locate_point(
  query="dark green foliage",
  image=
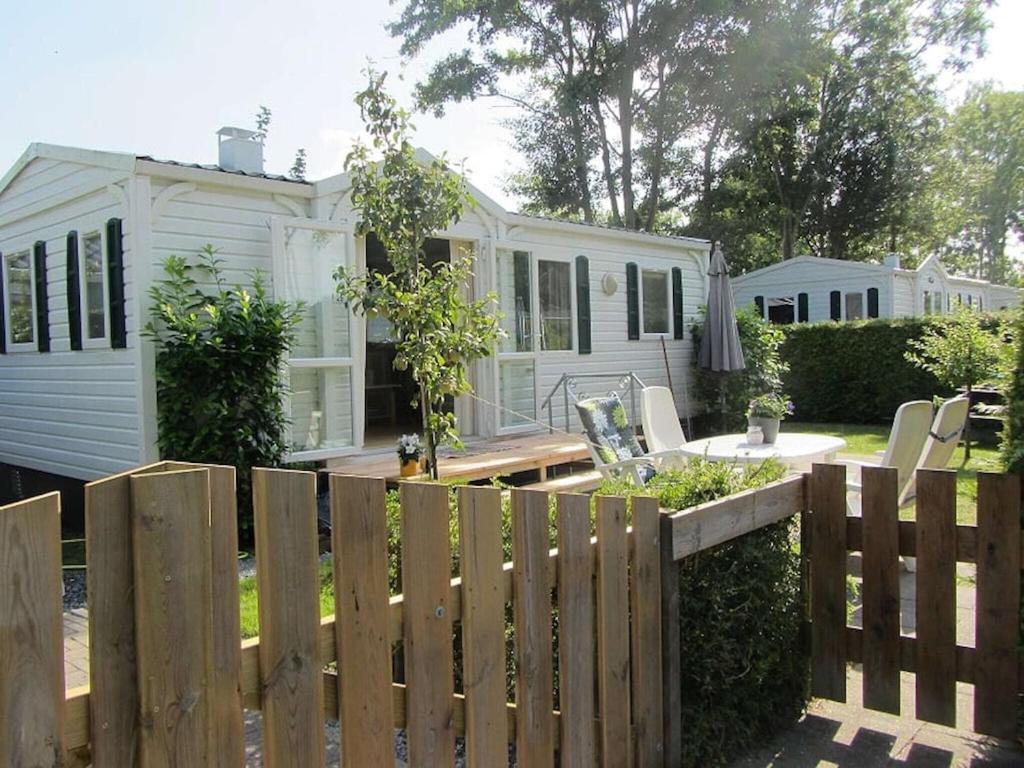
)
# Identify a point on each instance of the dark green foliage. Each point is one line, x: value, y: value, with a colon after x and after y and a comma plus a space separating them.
x: 765, y: 370
x: 218, y: 361
x: 1013, y: 427
x: 744, y: 670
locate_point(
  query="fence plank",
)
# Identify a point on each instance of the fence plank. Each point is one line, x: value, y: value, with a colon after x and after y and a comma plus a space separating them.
x: 31, y: 634
x: 426, y: 578
x: 535, y: 740
x: 671, y: 651
x: 613, y: 631
x: 645, y: 616
x: 936, y: 596
x: 881, y: 593
x: 575, y: 631
x: 483, y: 626
x: 828, y: 581
x: 359, y: 542
x: 288, y: 579
x: 173, y: 611
x: 110, y: 590
x: 997, y: 612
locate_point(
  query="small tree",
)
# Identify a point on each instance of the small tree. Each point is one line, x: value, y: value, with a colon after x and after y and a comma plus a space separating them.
x: 218, y: 360
x: 404, y: 202
x: 960, y: 353
x: 1013, y: 396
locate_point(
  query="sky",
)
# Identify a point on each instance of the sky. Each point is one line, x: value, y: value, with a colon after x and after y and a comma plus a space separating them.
x: 159, y: 78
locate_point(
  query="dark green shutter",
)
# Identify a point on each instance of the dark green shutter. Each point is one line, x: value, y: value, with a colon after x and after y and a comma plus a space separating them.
x: 759, y: 302
x: 834, y: 308
x: 115, y: 279
x: 74, y: 292
x: 3, y: 324
x: 632, y: 301
x: 42, y: 297
x: 583, y: 305
x: 801, y: 308
x: 677, y: 303
x: 872, y: 302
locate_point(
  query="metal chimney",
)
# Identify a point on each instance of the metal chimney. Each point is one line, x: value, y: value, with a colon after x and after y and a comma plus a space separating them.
x: 239, y: 149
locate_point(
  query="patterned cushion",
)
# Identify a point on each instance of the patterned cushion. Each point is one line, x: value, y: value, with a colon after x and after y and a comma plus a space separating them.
x: 607, y: 427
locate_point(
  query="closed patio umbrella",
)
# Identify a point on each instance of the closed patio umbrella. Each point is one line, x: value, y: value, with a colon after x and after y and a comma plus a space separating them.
x: 720, y: 349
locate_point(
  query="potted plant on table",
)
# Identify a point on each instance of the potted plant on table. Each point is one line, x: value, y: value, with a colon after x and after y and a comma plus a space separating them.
x: 409, y: 451
x: 767, y: 412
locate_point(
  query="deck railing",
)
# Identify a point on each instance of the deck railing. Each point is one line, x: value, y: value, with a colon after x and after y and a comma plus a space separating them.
x: 570, y: 386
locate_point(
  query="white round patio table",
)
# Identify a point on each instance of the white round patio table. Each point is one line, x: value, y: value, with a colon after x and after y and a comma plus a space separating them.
x: 797, y: 450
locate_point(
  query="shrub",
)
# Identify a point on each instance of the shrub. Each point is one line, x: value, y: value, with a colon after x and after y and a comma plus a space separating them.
x: 765, y: 368
x: 744, y: 669
x: 218, y: 361
x: 857, y: 372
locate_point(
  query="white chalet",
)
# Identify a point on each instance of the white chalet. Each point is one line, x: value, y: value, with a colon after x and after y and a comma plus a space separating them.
x: 83, y: 235
x: 813, y: 289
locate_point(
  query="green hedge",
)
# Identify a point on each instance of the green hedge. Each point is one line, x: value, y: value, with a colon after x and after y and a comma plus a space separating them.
x: 854, y: 373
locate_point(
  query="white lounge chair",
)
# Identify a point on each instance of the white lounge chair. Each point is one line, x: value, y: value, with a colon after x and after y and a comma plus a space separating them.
x: 903, y: 450
x: 613, y: 445
x: 662, y: 429
x: 941, y: 443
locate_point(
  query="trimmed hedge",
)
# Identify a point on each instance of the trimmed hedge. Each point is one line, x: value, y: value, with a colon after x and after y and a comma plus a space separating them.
x: 854, y: 373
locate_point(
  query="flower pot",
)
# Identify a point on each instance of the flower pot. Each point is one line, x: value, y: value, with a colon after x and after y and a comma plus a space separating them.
x: 410, y: 467
x: 770, y: 427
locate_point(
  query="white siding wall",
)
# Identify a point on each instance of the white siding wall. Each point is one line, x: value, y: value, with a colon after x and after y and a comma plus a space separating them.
x: 903, y: 296
x: 68, y: 413
x: 612, y: 351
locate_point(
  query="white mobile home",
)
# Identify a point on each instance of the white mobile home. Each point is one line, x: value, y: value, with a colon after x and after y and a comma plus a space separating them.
x: 813, y: 289
x: 83, y: 235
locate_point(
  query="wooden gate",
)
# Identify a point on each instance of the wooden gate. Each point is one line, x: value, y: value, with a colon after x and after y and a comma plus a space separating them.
x: 170, y: 677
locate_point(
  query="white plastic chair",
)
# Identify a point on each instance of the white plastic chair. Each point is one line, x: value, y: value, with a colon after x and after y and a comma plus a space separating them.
x: 941, y: 443
x: 903, y: 450
x: 662, y: 429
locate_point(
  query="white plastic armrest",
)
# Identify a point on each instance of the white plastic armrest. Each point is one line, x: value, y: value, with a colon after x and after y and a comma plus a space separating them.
x: 857, y: 463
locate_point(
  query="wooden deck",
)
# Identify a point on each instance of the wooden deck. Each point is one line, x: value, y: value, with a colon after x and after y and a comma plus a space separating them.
x: 481, y: 460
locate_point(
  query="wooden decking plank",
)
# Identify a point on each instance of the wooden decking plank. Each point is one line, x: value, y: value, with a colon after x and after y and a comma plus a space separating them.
x: 576, y: 631
x: 287, y: 549
x: 936, y: 596
x: 483, y: 626
x: 881, y: 590
x: 535, y: 734
x: 427, y: 624
x: 613, y: 632
x: 31, y: 634
x: 997, y: 613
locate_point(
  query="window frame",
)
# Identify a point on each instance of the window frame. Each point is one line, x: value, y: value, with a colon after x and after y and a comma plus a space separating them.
x: 667, y: 272
x: 12, y: 345
x: 863, y: 305
x: 99, y: 342
x: 538, y: 346
x: 792, y: 302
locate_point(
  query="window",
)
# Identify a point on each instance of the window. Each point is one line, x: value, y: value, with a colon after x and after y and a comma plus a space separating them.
x: 94, y: 306
x: 554, y: 286
x: 928, y: 302
x: 20, y: 302
x: 854, y: 306
x: 780, y: 310
x: 655, y: 294
x: 514, y: 301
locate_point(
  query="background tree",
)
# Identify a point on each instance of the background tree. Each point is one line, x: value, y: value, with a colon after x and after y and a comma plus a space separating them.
x: 404, y: 201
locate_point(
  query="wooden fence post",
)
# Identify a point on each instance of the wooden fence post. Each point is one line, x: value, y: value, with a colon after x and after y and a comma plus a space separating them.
x: 31, y: 634
x: 359, y: 540
x: 997, y: 613
x: 936, y: 596
x: 288, y: 578
x: 613, y: 631
x: 828, y: 581
x: 173, y: 613
x: 645, y: 620
x: 671, y: 650
x: 427, y: 624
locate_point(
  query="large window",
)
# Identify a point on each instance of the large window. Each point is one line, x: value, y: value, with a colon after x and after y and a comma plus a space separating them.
x: 782, y: 310
x: 20, y: 306
x: 515, y: 300
x: 655, y: 294
x: 554, y: 287
x: 854, y: 306
x: 94, y: 307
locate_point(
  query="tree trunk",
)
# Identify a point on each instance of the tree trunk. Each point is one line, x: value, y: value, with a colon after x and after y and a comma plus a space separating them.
x: 654, y: 193
x: 580, y: 168
x: 707, y: 176
x: 626, y: 136
x: 606, y: 161
x: 790, y: 230
x: 428, y: 433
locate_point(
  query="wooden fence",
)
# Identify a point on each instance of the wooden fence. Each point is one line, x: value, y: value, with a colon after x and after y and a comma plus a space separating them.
x: 169, y: 677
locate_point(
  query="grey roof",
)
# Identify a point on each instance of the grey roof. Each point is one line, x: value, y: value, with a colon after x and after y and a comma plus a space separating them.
x: 202, y: 167
x: 614, y: 228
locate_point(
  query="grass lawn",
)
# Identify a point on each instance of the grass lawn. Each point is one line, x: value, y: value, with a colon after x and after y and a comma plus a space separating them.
x: 865, y: 440
x: 249, y: 600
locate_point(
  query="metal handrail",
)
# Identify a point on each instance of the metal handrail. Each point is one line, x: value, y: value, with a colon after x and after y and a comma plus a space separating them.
x: 569, y: 382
